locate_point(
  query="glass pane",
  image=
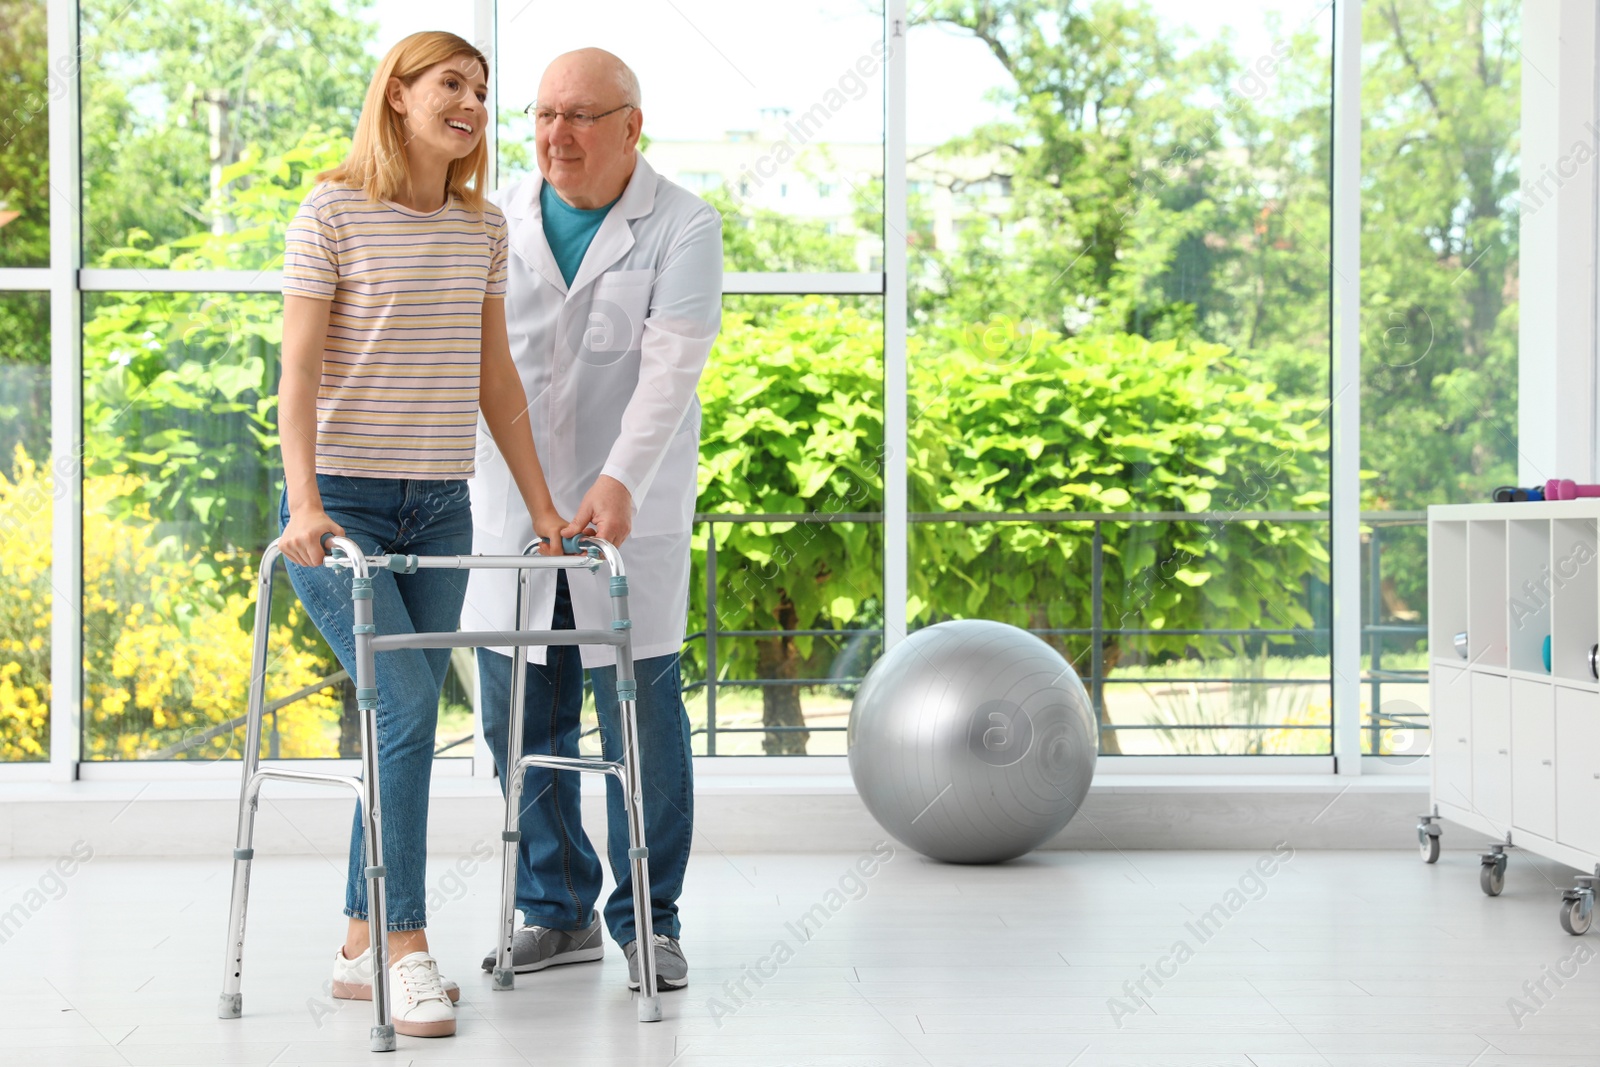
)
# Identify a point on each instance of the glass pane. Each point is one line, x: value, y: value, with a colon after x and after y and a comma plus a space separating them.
x: 196, y: 155
x: 792, y: 426
x: 1441, y: 98
x: 786, y: 141
x: 24, y: 135
x: 181, y: 486
x: 26, y: 497
x: 1125, y: 310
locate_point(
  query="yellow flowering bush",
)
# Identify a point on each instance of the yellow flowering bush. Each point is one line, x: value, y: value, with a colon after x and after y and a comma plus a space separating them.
x: 24, y: 612
x: 166, y: 654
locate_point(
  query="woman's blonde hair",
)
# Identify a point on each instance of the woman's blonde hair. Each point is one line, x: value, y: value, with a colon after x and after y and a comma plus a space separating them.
x: 377, y: 161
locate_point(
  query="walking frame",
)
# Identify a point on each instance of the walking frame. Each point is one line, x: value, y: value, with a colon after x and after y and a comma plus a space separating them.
x: 345, y: 553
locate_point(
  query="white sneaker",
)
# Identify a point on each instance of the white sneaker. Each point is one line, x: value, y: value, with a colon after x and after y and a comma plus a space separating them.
x: 352, y: 979
x: 420, y: 1008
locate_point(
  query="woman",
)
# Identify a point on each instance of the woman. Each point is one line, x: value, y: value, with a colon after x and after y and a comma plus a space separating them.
x: 394, y: 339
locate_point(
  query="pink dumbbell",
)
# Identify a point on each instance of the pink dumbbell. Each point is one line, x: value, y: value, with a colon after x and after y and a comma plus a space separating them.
x: 1567, y: 489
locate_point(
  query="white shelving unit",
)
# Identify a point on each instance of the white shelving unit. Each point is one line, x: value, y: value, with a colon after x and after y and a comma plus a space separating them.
x: 1516, y: 746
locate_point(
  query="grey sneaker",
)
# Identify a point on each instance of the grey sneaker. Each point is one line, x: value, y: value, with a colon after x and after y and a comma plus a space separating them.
x: 672, y: 970
x: 536, y: 947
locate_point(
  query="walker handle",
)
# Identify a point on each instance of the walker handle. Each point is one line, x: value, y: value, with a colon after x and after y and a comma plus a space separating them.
x: 569, y: 545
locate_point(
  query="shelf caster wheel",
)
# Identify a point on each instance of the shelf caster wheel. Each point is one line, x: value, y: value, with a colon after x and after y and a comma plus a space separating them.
x: 1576, y: 916
x: 1428, y: 838
x: 1428, y: 842
x: 1577, y: 907
x: 1492, y: 875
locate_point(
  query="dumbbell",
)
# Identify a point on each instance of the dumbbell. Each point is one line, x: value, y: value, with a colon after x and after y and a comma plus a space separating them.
x: 1514, y: 494
x: 1567, y: 489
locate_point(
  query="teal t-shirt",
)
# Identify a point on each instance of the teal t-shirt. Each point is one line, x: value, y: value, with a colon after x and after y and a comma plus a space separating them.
x: 570, y: 230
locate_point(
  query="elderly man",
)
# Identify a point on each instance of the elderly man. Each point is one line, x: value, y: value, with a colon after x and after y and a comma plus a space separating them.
x: 614, y: 301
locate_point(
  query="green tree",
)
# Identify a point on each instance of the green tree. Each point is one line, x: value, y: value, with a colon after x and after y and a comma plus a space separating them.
x: 1441, y: 96
x: 1161, y: 257
x: 175, y: 92
x: 24, y: 229
x: 180, y: 389
x: 792, y: 423
x: 1107, y: 424
x: 24, y: 136
x: 1135, y: 167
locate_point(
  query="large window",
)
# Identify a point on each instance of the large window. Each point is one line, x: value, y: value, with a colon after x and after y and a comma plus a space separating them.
x: 1116, y: 344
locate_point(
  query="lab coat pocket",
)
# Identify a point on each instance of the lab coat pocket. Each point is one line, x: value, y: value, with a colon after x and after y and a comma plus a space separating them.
x: 668, y: 505
x: 614, y: 325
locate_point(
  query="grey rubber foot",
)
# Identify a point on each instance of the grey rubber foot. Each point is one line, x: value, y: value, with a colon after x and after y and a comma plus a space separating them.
x: 650, y: 1009
x: 382, y: 1038
x: 504, y: 978
x: 230, y: 1005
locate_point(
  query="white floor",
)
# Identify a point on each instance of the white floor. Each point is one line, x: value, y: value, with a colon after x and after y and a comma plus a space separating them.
x: 1338, y: 958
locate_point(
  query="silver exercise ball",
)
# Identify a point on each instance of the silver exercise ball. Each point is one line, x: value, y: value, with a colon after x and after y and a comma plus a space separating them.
x: 972, y: 741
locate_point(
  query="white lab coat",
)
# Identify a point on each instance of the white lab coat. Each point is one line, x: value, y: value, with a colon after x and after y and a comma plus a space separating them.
x: 610, y: 369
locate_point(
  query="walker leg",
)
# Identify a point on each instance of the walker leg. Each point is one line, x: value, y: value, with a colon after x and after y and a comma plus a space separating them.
x: 633, y: 797
x: 382, y: 1033
x: 505, y: 975
x: 230, y: 1003
x: 639, y: 862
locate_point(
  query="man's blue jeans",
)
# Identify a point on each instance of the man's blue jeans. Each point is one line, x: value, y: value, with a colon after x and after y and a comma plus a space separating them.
x: 558, y: 873
x: 422, y: 518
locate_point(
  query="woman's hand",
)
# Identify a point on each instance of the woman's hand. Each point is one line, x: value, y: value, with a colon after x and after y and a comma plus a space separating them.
x: 548, y: 525
x: 302, y: 538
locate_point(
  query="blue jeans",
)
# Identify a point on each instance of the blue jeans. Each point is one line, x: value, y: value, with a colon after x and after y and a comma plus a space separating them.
x: 558, y: 873
x: 424, y: 518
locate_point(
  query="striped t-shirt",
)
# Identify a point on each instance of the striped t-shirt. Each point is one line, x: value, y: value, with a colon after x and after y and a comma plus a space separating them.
x: 399, y: 391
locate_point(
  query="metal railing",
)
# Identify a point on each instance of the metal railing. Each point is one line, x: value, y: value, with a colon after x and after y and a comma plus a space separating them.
x: 1374, y: 631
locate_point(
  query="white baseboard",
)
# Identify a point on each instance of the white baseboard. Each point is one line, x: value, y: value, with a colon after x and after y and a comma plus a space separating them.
x: 736, y: 810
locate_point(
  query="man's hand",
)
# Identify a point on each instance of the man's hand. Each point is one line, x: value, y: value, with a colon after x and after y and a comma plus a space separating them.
x: 606, y: 511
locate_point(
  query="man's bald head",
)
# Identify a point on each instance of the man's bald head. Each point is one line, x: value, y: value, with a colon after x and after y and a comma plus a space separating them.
x: 597, y: 68
x: 589, y: 166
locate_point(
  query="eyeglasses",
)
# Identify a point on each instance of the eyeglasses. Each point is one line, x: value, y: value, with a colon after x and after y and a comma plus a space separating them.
x: 544, y: 116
